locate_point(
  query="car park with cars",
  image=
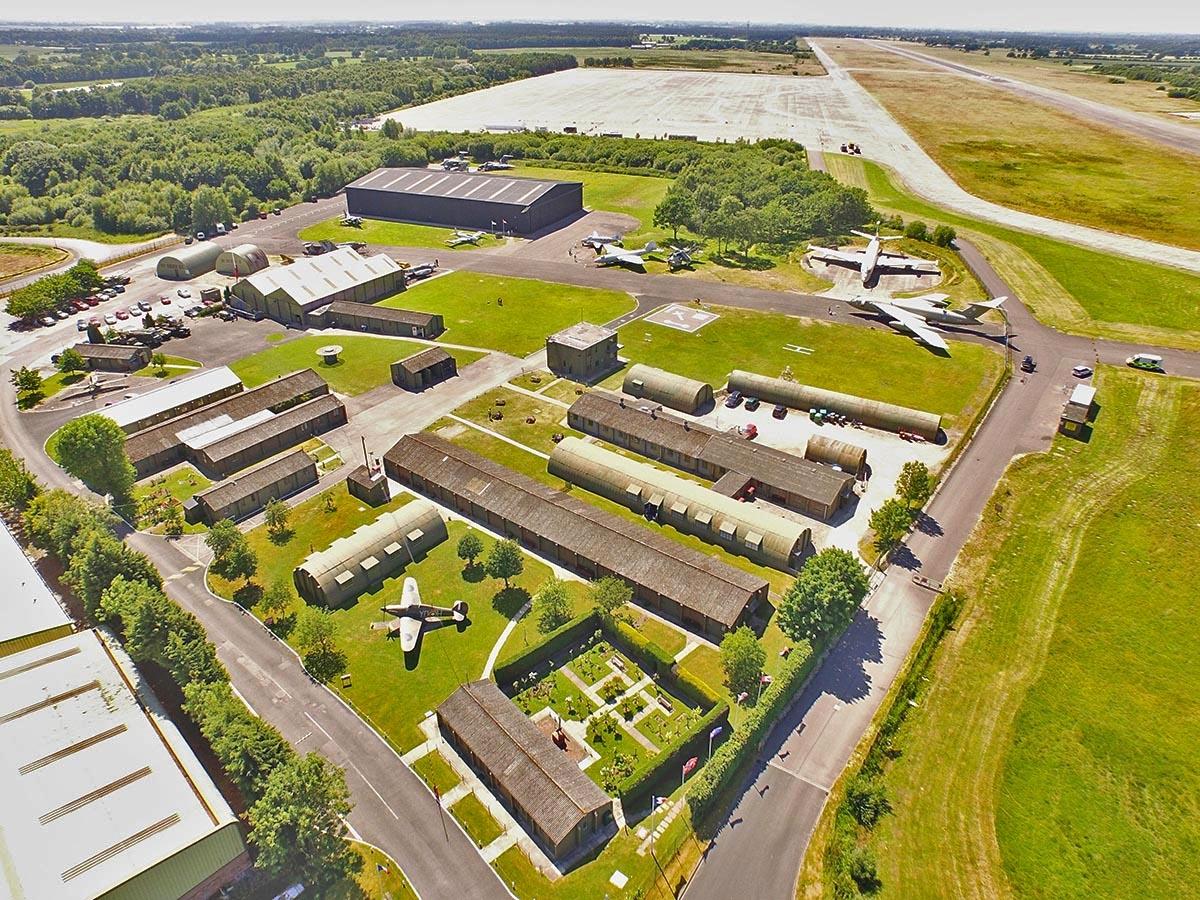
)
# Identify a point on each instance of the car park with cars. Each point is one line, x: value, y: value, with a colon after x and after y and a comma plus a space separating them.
x: 734, y: 399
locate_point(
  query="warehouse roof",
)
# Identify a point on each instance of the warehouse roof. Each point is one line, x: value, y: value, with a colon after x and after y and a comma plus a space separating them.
x: 505, y: 189
x: 264, y: 430
x: 382, y: 313
x: 695, y: 580
x: 310, y: 281
x: 234, y: 489
x: 424, y: 359
x: 29, y: 606
x: 279, y: 392
x: 582, y: 335
x: 541, y: 779
x: 98, y: 785
x: 108, y: 351
x: 766, y: 465
x: 177, y: 393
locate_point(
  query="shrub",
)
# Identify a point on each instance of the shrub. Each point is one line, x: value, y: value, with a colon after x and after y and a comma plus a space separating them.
x: 519, y: 664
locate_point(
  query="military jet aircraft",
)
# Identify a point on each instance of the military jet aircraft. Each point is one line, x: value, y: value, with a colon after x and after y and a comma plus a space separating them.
x: 874, y: 260
x: 352, y: 221
x: 634, y: 258
x: 596, y: 241
x: 456, y: 164
x: 680, y: 258
x: 466, y: 237
x: 412, y: 615
x: 497, y: 165
x: 915, y: 315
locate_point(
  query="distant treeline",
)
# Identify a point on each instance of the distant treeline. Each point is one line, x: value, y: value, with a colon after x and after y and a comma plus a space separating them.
x: 1181, y: 81
x: 1040, y: 46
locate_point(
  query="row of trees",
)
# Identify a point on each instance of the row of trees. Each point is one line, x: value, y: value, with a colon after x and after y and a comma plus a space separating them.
x: 53, y: 292
x: 891, y: 521
x: 297, y: 805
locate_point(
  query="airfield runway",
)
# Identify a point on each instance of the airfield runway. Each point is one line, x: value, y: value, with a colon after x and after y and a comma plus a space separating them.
x: 821, y: 112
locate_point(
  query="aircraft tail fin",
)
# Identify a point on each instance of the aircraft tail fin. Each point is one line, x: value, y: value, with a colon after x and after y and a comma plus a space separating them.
x: 652, y: 246
x: 975, y: 310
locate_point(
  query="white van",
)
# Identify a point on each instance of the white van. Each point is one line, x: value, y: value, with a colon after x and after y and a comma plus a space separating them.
x: 220, y: 228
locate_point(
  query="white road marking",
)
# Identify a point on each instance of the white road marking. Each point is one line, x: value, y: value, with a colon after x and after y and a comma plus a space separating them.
x: 358, y: 771
x: 318, y: 724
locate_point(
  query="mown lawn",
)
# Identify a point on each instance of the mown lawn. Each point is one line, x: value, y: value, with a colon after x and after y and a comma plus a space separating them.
x: 51, y: 385
x: 632, y: 195
x: 880, y: 365
x: 557, y: 692
x: 365, y: 362
x: 389, y: 234
x: 514, y: 315
x: 372, y: 884
x: 515, y: 410
x: 1054, y: 753
x: 478, y: 823
x: 1071, y: 288
x: 436, y: 772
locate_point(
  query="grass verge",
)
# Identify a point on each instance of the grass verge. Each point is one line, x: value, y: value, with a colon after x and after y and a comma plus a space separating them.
x: 478, y: 823
x: 389, y: 234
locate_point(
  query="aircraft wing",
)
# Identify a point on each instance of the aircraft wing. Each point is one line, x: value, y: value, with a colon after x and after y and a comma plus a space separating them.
x: 622, y: 256
x: 911, y: 263
x: 828, y: 255
x: 410, y: 630
x: 915, y: 324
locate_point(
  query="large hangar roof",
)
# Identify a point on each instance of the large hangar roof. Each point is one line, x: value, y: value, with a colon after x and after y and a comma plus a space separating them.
x: 506, y: 189
x: 29, y: 605
x: 310, y: 281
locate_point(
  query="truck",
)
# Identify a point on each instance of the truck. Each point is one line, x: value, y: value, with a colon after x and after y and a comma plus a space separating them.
x: 211, y: 294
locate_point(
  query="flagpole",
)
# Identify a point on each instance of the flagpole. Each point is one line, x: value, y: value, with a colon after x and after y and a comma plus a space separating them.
x: 710, y: 737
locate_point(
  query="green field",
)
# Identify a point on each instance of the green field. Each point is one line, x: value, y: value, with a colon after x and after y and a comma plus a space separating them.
x: 179, y: 485
x: 392, y: 695
x: 1053, y: 754
x: 389, y: 234
x: 746, y: 61
x: 1026, y: 155
x: 549, y: 418
x: 531, y: 310
x: 51, y: 385
x: 436, y: 772
x: 880, y: 365
x: 632, y: 195
x: 1070, y: 288
x: 365, y: 362
x: 477, y: 822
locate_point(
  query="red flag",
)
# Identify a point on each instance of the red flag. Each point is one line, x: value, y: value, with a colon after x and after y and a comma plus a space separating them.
x: 690, y: 764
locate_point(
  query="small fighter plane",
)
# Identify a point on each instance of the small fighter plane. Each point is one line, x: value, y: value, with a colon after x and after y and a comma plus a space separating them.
x: 874, y: 260
x: 466, y: 237
x: 352, y: 221
x: 456, y: 164
x: 634, y: 258
x: 497, y: 165
x: 596, y: 241
x: 412, y: 615
x: 680, y: 258
x: 916, y: 315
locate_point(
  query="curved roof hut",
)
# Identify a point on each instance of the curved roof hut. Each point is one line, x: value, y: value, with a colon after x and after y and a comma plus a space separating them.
x: 684, y: 394
x: 846, y: 456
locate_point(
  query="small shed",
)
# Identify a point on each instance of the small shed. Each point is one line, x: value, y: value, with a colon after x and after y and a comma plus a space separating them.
x: 186, y: 263
x: 684, y: 394
x: 845, y: 456
x: 582, y: 352
x: 114, y: 357
x: 242, y: 260
x: 423, y: 369
x: 1079, y: 411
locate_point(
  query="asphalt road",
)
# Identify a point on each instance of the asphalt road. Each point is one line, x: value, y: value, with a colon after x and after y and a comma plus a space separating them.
x: 1163, y: 131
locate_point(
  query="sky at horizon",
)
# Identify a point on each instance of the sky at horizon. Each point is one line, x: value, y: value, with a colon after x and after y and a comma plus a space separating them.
x: 1155, y: 16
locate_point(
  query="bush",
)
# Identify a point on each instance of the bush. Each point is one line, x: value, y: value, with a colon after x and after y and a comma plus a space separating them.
x: 633, y: 642
x: 867, y: 801
x: 519, y: 664
x: 864, y: 871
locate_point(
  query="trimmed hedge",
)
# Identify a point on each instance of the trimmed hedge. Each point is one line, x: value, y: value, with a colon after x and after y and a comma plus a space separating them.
x: 633, y: 641
x: 727, y: 760
x: 517, y: 665
x: 693, y: 742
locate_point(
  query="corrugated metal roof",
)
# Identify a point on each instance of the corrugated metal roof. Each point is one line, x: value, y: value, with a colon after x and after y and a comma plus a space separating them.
x: 310, y: 281
x: 29, y: 606
x: 507, y: 189
x: 171, y: 396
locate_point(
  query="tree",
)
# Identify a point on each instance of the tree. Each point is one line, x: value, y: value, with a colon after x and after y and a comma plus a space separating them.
x: 298, y: 824
x: 314, y: 631
x: 27, y: 380
x: 71, y: 360
x: 276, y: 599
x: 17, y: 486
x: 469, y: 545
x: 915, y: 485
x: 159, y: 361
x: 944, y: 235
x: 742, y: 658
x: 890, y: 523
x: 552, y: 605
x: 867, y: 800
x: 275, y: 514
x: 209, y: 206
x: 677, y: 210
x: 917, y: 230
x: 824, y: 596
x: 505, y: 561
x: 390, y: 129
x: 92, y: 448
x: 98, y: 561
x: 232, y: 556
x: 248, y: 748
x: 60, y: 522
x: 609, y: 594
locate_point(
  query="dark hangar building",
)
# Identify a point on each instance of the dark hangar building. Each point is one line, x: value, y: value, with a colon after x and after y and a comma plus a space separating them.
x: 464, y: 199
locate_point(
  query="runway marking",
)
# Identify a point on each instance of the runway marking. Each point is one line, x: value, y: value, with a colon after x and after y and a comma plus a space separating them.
x: 358, y: 771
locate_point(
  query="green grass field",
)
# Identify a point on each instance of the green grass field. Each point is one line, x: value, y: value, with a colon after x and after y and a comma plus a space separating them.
x: 372, y: 884
x: 51, y: 385
x: 531, y: 310
x: 389, y: 234
x: 1031, y: 156
x: 877, y: 364
x: 436, y: 772
x: 365, y: 362
x: 549, y: 418
x: 394, y: 693
x: 478, y: 823
x: 1073, y: 289
x: 746, y: 61
x: 1053, y: 754
x: 632, y: 195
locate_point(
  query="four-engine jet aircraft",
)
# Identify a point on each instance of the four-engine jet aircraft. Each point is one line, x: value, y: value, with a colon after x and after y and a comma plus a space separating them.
x: 413, y: 615
x: 634, y: 258
x: 466, y: 237
x: 915, y: 315
x: 874, y: 260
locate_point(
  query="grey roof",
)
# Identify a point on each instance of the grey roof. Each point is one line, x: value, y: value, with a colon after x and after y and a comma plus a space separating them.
x: 203, y: 253
x: 264, y: 431
x: 272, y: 395
x: 382, y: 313
x: 541, y: 779
x: 311, y: 280
x: 172, y: 395
x: 582, y: 335
x: 674, y: 390
x: 505, y: 189
x: 29, y: 605
x: 232, y: 490
x: 424, y: 359
x: 766, y: 465
x: 109, y: 351
x: 641, y: 556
